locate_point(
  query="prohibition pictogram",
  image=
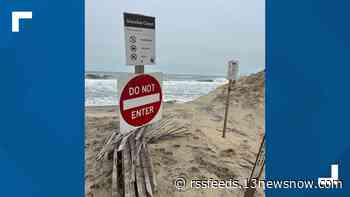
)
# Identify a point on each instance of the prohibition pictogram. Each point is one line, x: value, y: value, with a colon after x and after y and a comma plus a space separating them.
x: 133, y: 57
x: 133, y: 48
x: 132, y: 39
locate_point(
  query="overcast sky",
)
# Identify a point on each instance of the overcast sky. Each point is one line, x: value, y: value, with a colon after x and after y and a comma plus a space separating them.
x: 192, y: 36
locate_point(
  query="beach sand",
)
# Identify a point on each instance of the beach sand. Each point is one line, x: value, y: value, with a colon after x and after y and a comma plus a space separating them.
x: 203, y: 154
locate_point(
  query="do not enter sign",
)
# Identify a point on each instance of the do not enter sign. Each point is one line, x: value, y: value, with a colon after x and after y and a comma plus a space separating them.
x: 140, y: 100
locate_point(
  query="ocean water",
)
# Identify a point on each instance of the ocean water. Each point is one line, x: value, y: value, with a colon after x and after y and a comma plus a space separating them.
x: 179, y: 88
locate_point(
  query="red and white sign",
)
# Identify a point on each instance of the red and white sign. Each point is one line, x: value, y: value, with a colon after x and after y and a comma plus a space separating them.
x: 140, y: 102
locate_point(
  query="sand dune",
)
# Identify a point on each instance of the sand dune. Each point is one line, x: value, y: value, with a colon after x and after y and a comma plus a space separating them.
x: 203, y: 154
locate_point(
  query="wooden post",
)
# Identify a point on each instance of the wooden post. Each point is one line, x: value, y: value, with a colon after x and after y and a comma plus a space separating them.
x: 227, y: 106
x: 257, y: 158
x: 140, y: 177
x: 250, y: 191
x: 115, y: 185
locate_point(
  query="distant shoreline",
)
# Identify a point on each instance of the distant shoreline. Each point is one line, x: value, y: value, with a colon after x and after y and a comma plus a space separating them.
x: 112, y: 75
x: 167, y: 77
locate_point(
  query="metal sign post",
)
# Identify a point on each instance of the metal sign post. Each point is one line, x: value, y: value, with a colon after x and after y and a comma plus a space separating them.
x: 232, y: 77
x: 139, y: 69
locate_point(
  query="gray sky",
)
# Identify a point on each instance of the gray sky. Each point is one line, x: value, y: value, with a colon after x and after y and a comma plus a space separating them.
x: 192, y: 36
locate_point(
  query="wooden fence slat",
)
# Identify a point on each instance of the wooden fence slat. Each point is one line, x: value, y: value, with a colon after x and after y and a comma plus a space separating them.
x: 123, y: 143
x: 140, y: 133
x: 133, y: 158
x: 133, y: 174
x: 115, y: 184
x: 106, y: 145
x: 140, y: 180
x: 129, y: 189
x: 145, y: 168
x: 124, y: 140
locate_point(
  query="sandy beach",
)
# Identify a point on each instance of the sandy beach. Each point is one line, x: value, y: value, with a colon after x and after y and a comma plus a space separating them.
x: 202, y: 154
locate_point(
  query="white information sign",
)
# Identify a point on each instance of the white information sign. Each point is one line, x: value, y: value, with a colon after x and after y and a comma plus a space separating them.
x: 139, y: 39
x: 232, y: 70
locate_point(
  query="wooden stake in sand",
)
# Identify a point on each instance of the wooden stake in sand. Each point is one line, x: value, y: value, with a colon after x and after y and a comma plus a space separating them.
x: 227, y: 106
x: 232, y: 77
x: 259, y: 161
x: 256, y: 171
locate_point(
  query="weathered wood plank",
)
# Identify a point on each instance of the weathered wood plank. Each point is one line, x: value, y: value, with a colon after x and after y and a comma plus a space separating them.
x: 124, y: 140
x: 132, y: 173
x: 140, y: 133
x: 133, y: 157
x: 140, y: 179
x: 123, y: 143
x: 106, y: 145
x: 129, y: 189
x: 146, y: 175
x: 115, y: 184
